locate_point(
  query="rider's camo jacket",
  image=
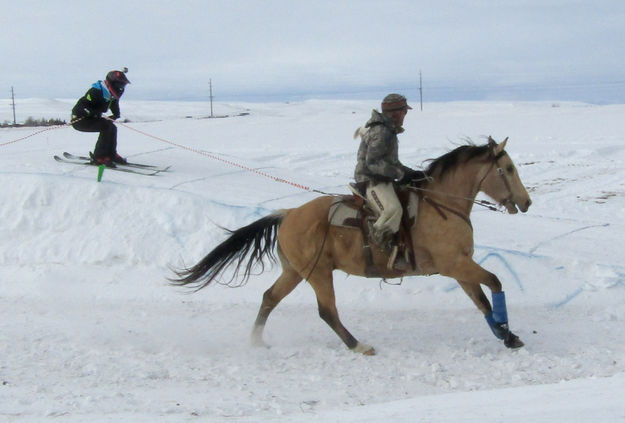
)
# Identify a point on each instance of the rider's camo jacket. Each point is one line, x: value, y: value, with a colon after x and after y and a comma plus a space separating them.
x: 378, y: 159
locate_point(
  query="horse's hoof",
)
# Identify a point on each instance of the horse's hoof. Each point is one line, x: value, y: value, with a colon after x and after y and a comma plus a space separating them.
x: 370, y: 351
x: 364, y: 349
x: 259, y: 344
x: 257, y: 340
x: 512, y: 341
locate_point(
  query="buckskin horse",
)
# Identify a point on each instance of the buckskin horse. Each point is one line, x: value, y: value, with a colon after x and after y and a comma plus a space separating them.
x: 310, y: 248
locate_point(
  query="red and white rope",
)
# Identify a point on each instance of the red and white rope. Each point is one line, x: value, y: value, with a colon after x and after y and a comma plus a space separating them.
x: 184, y: 147
x: 221, y: 159
x: 51, y: 128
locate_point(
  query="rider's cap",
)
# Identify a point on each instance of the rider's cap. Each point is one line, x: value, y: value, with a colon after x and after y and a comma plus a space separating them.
x: 393, y: 102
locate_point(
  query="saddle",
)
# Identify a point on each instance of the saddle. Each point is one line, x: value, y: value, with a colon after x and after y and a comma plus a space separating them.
x: 352, y: 211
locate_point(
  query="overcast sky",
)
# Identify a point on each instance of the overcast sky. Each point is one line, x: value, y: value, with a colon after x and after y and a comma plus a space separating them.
x: 291, y: 49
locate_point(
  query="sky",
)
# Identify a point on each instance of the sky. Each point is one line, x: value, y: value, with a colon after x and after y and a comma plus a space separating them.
x: 276, y: 50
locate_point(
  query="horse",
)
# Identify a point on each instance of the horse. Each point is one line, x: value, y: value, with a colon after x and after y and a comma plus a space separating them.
x: 309, y: 247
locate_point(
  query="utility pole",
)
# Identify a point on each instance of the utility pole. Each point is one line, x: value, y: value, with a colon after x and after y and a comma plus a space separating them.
x: 420, y: 90
x: 13, y: 105
x: 210, y: 85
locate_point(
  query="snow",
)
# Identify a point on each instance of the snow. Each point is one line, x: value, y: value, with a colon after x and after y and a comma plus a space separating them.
x: 90, y: 330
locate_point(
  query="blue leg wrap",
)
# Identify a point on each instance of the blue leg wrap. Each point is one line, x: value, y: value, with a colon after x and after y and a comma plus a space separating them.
x: 498, y: 318
x: 500, y: 311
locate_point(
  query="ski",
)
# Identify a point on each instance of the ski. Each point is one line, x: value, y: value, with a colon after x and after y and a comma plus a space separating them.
x: 129, y: 164
x: 136, y: 171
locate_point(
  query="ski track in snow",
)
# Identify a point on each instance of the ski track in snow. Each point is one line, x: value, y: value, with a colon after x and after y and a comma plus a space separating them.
x: 91, y: 331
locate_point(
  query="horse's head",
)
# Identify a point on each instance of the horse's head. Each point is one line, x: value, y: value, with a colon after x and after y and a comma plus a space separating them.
x: 501, y: 181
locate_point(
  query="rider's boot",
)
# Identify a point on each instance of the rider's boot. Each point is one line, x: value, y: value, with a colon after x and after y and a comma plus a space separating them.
x: 388, y: 243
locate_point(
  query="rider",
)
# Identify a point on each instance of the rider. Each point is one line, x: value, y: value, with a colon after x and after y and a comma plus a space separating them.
x: 379, y: 167
x: 87, y: 116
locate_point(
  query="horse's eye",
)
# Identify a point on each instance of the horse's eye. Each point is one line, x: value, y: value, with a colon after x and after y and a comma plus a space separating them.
x: 510, y: 169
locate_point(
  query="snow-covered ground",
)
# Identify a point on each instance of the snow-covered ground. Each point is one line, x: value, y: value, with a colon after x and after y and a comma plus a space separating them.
x: 91, y: 331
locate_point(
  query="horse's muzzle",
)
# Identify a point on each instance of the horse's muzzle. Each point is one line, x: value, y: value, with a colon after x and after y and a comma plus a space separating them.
x: 525, y: 206
x: 511, y: 206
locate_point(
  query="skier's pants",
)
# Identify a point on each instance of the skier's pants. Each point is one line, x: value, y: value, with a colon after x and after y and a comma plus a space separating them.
x: 107, y: 140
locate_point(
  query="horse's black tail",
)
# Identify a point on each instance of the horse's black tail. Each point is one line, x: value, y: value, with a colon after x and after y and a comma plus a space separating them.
x: 258, y: 239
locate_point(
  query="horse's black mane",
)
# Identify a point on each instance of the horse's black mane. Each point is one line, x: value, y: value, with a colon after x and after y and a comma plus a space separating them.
x: 459, y: 155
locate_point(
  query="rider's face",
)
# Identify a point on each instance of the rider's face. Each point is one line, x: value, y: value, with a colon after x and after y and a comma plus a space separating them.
x: 398, y: 116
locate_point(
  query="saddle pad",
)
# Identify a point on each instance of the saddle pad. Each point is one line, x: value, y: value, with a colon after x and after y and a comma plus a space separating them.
x: 345, y: 211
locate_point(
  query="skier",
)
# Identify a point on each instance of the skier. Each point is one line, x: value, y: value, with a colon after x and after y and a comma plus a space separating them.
x: 87, y: 116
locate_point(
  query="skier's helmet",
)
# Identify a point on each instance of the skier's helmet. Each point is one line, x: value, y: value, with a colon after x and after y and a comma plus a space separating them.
x: 117, y: 81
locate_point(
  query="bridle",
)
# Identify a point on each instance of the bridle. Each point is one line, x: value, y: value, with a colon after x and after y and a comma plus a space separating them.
x: 439, y: 207
x: 501, y: 173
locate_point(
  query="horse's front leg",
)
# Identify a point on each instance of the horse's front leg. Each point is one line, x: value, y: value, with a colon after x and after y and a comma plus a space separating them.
x: 470, y: 275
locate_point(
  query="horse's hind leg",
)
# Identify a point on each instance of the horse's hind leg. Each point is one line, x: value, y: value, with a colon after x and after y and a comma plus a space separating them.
x: 324, y: 289
x: 282, y: 287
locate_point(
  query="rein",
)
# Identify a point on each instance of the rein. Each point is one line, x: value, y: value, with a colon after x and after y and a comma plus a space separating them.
x: 438, y: 206
x: 484, y: 203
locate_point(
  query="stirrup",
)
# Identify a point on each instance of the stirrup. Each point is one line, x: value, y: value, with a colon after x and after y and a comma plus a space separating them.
x: 397, y: 262
x: 391, y: 258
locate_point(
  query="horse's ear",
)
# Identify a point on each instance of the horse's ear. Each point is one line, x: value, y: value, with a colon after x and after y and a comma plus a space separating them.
x: 503, y: 143
x: 491, y: 142
x: 500, y: 147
